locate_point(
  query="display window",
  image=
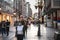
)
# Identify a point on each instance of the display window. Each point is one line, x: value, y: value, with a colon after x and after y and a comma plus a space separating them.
x: 8, y: 18
x: 4, y: 17
x: 0, y: 18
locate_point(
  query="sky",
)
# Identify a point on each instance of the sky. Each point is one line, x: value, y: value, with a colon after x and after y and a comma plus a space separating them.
x: 32, y: 5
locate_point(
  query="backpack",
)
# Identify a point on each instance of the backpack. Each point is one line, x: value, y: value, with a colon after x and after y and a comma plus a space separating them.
x: 20, y: 29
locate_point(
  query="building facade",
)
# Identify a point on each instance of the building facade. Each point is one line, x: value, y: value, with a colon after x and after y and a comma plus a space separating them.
x: 6, y: 10
x: 19, y: 6
x: 28, y: 10
x: 51, y: 9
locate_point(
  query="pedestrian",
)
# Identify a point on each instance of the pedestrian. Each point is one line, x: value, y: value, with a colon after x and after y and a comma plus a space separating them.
x: 26, y: 26
x: 19, y: 32
x: 22, y: 21
x: 16, y: 24
x: 29, y: 21
x: 3, y: 28
x: 7, y: 27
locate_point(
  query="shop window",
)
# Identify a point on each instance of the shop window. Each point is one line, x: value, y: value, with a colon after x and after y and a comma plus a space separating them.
x: 0, y: 18
x: 4, y: 17
x: 8, y: 18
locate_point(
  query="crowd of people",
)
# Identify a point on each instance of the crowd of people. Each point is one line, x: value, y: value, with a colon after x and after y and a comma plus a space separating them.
x: 4, y: 27
x: 21, y: 27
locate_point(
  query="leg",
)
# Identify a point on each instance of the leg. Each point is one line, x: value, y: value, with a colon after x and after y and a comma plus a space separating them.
x: 16, y: 32
x: 2, y: 31
x: 7, y: 31
x: 26, y: 32
x: 19, y: 37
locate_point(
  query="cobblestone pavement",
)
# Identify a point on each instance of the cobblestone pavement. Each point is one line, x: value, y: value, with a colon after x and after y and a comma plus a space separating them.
x: 46, y: 33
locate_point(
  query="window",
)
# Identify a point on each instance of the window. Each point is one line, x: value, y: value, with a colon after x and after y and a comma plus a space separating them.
x: 56, y: 2
x: 24, y: 0
x: 0, y: 18
x: 8, y: 17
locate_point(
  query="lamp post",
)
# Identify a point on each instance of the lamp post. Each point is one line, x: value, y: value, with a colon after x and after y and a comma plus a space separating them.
x: 39, y: 6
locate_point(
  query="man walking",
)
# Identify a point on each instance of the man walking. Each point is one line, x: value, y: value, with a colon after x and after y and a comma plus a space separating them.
x: 3, y: 28
x: 7, y: 27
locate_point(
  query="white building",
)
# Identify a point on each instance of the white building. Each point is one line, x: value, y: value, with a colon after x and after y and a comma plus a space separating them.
x: 7, y: 6
x: 23, y: 8
x: 20, y: 6
x: 28, y: 10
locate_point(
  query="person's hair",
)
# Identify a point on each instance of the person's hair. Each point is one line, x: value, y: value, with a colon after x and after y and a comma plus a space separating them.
x: 7, y: 20
x: 21, y: 16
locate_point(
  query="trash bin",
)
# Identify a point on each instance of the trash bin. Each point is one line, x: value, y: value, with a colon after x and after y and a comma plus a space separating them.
x: 57, y: 35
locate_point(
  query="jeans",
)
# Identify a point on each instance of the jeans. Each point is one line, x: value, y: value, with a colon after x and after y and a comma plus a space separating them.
x: 7, y: 30
x: 3, y: 31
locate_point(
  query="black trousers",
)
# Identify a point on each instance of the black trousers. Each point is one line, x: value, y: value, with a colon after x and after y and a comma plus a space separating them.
x: 3, y: 31
x: 7, y: 30
x: 19, y: 37
x: 26, y: 31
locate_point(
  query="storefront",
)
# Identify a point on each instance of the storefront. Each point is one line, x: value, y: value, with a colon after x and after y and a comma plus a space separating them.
x: 0, y: 17
x: 58, y: 19
x: 5, y: 16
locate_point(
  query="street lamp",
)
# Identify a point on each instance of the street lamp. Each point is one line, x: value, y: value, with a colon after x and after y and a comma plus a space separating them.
x: 39, y: 6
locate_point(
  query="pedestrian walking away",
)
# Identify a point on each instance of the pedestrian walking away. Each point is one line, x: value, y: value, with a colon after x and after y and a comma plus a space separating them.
x: 22, y: 21
x: 7, y: 27
x: 26, y: 26
x: 19, y: 32
x: 3, y: 28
